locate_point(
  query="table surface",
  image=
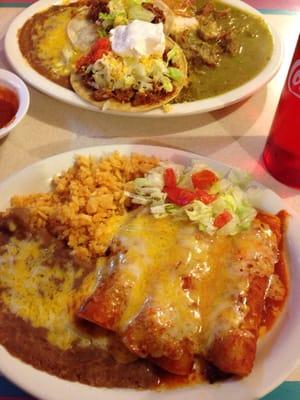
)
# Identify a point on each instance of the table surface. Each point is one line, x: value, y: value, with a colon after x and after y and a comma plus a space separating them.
x: 234, y: 135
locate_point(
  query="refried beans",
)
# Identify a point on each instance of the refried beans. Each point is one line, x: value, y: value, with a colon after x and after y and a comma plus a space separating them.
x: 41, y: 39
x: 84, y: 361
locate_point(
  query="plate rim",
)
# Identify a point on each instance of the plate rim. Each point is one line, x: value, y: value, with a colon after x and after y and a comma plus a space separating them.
x: 44, y: 85
x: 101, y: 150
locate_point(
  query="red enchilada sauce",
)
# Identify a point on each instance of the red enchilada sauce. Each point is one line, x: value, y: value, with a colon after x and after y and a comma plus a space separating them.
x: 96, y: 367
x: 9, y: 104
x: 272, y: 307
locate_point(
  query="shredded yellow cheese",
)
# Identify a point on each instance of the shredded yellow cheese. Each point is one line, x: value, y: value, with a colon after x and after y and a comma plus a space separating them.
x: 44, y: 295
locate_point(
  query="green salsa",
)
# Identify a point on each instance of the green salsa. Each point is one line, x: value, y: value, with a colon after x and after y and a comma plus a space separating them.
x: 249, y: 48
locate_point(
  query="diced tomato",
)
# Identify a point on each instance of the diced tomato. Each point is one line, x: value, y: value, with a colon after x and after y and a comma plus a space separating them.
x: 180, y: 196
x: 205, y: 197
x: 83, y: 60
x: 222, y: 219
x: 103, y: 43
x: 100, y: 47
x: 204, y: 179
x: 169, y: 178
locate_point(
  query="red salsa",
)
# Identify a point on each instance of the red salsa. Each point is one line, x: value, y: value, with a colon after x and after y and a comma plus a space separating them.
x: 272, y: 308
x: 9, y: 104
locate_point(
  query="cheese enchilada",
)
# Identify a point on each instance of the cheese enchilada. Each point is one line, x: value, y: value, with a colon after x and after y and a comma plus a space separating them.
x: 135, y: 272
x: 171, y: 292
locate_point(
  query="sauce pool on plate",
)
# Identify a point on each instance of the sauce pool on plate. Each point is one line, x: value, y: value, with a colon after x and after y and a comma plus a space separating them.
x: 9, y: 104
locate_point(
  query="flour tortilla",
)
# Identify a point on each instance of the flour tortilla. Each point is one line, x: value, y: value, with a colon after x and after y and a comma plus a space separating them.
x: 81, y: 32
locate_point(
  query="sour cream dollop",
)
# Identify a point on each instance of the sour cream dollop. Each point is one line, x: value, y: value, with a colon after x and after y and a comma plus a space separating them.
x: 137, y: 39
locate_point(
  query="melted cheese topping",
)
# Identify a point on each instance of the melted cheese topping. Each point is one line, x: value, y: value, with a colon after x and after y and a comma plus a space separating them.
x: 183, y: 285
x: 44, y: 295
x: 53, y: 47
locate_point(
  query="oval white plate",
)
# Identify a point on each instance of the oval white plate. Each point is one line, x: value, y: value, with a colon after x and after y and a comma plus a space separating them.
x: 41, y: 83
x: 278, y: 351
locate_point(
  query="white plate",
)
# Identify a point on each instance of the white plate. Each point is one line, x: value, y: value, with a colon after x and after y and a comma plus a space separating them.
x: 278, y: 351
x: 13, y: 82
x: 41, y: 83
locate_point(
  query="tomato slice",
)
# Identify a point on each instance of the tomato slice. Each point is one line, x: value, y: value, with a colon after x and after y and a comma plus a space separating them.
x: 204, y: 179
x: 205, y: 197
x: 179, y: 196
x: 222, y: 219
x: 169, y: 178
x: 100, y: 47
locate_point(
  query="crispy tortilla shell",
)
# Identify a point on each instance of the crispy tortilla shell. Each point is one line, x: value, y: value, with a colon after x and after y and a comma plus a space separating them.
x: 111, y: 104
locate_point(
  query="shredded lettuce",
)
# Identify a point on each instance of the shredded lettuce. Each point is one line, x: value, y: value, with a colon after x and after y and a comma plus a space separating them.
x: 101, y: 32
x: 175, y: 73
x: 239, y: 177
x: 113, y: 19
x: 122, y: 11
x: 215, y: 188
x: 202, y: 215
x: 174, y: 54
x: 107, y: 20
x: 230, y: 197
x: 167, y: 84
x: 107, y: 17
x: 139, y: 12
x: 131, y: 3
x: 120, y: 18
x: 186, y: 178
x: 114, y: 72
x: 117, y: 14
x: 116, y: 6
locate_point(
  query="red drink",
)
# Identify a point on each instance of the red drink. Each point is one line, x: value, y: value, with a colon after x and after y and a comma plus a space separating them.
x: 282, y: 152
